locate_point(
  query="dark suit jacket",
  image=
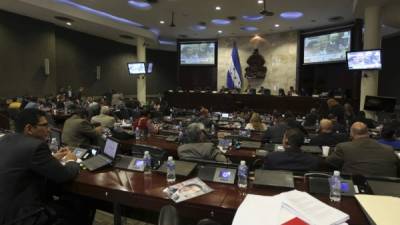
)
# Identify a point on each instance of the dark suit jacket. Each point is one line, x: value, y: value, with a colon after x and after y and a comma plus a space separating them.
x: 275, y: 133
x: 25, y: 165
x: 328, y: 139
x: 78, y: 131
x: 365, y: 156
x: 291, y: 159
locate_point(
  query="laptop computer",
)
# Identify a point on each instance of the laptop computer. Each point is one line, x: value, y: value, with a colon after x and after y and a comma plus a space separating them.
x: 250, y: 144
x: 129, y: 163
x: 56, y: 133
x: 182, y: 168
x: 274, y: 178
x: 103, y: 159
x: 388, y: 188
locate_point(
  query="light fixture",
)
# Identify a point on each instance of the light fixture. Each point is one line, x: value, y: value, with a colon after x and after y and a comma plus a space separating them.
x: 249, y: 28
x: 221, y: 21
x: 162, y: 21
x: 277, y: 25
x: 291, y: 15
x: 140, y: 4
x: 260, y: 1
x: 68, y: 23
x: 218, y: 8
x: 253, y: 17
x: 220, y: 32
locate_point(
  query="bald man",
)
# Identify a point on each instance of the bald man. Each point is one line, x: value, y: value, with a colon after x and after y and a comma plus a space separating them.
x: 363, y: 155
x: 326, y: 136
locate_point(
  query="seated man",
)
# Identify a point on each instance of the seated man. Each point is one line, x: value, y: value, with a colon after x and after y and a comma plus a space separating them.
x: 197, y: 145
x: 326, y: 136
x: 104, y: 118
x: 363, y: 155
x: 275, y: 133
x: 26, y: 166
x: 292, y: 158
x: 78, y: 131
x: 388, y: 136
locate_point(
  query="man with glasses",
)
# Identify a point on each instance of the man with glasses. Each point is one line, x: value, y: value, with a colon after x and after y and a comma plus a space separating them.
x: 26, y: 167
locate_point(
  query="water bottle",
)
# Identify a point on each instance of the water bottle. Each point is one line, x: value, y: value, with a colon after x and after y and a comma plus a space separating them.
x: 137, y: 133
x: 53, y: 145
x: 335, y: 187
x: 147, y: 162
x: 171, y: 170
x: 65, y: 110
x: 242, y: 175
x: 317, y: 126
x: 212, y: 130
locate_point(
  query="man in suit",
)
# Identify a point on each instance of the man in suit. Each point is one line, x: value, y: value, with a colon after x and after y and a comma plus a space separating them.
x: 326, y: 136
x: 292, y: 158
x: 26, y: 165
x: 275, y: 133
x: 363, y: 155
x: 78, y: 131
x: 104, y: 119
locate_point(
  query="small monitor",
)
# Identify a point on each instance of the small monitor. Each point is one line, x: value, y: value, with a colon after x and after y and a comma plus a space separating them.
x: 139, y: 164
x: 225, y: 174
x: 225, y: 115
x: 379, y: 104
x: 110, y: 149
x: 136, y: 68
x: 364, y: 60
x: 149, y: 67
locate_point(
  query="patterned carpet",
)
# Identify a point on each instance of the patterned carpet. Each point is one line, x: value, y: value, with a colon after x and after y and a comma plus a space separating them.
x: 105, y: 218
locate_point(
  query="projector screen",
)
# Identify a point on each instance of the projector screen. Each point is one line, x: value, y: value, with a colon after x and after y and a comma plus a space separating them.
x: 325, y: 48
x: 136, y: 68
x: 197, y: 53
x: 364, y: 60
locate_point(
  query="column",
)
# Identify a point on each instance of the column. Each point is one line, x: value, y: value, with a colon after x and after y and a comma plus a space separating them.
x: 141, y: 82
x: 372, y: 40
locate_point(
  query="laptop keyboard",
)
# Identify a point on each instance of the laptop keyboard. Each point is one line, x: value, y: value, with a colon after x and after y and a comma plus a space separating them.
x: 97, y: 162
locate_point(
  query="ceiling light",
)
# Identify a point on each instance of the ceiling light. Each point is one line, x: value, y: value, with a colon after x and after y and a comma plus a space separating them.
x: 292, y: 15
x: 218, y: 8
x: 199, y: 27
x: 249, y: 28
x: 68, y: 23
x: 140, y: 4
x: 260, y: 1
x: 221, y: 21
x: 162, y: 21
x: 253, y: 17
x: 277, y: 25
x: 220, y: 32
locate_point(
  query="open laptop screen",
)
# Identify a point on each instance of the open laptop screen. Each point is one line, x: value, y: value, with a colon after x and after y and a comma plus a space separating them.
x: 110, y: 149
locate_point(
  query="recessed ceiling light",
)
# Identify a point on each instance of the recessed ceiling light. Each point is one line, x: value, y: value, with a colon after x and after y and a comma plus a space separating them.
x: 291, y: 15
x: 249, y: 28
x: 199, y: 27
x: 218, y: 8
x: 221, y: 21
x: 253, y: 17
x: 68, y: 23
x: 277, y: 25
x: 162, y: 21
x: 260, y: 1
x: 140, y: 4
x: 220, y: 32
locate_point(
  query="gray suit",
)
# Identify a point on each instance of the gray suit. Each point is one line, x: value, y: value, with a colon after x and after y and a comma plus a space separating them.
x: 26, y: 164
x: 78, y: 131
x: 201, y: 151
x: 365, y: 156
x: 104, y: 120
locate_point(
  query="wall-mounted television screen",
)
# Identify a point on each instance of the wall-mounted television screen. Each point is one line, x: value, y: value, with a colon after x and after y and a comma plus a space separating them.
x: 197, y: 53
x: 327, y: 48
x: 136, y: 68
x: 364, y: 60
x: 380, y: 104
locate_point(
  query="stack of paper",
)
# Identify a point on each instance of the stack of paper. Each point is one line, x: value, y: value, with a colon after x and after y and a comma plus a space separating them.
x: 382, y: 210
x: 293, y: 207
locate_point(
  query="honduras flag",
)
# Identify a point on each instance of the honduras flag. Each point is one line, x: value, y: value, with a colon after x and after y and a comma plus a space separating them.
x: 234, y: 75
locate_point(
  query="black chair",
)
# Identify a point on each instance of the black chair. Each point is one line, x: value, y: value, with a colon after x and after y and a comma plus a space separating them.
x: 207, y: 222
x: 157, y: 154
x: 168, y: 216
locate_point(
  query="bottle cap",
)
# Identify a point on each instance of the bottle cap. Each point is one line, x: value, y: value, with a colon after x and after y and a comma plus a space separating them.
x: 170, y: 158
x: 242, y: 162
x: 146, y: 152
x: 336, y: 173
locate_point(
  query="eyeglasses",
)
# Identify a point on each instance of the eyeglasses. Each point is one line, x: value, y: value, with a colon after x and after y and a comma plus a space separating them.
x: 42, y: 125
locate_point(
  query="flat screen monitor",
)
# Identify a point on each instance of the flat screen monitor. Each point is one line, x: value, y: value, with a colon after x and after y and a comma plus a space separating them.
x: 149, y: 67
x: 380, y: 104
x: 136, y: 68
x: 197, y: 53
x: 110, y: 148
x: 364, y: 60
x: 327, y: 48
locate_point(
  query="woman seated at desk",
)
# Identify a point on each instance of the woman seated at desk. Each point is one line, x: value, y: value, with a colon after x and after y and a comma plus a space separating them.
x: 144, y: 122
x: 255, y: 123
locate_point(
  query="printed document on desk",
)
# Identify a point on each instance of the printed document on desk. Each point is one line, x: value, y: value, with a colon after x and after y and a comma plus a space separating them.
x: 382, y: 210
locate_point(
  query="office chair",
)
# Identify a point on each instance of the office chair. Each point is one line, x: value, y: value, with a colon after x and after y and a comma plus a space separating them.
x: 157, y: 154
x: 207, y: 222
x: 4, y: 122
x: 168, y: 216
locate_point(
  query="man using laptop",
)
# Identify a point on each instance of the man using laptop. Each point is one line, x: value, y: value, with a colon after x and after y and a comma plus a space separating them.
x: 363, y: 155
x: 26, y: 166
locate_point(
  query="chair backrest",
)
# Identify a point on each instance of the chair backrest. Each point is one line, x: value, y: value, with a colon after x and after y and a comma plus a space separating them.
x: 207, y: 222
x: 4, y: 122
x: 168, y: 216
x: 157, y: 154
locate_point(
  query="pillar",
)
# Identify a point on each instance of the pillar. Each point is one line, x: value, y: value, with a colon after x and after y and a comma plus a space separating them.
x: 141, y: 82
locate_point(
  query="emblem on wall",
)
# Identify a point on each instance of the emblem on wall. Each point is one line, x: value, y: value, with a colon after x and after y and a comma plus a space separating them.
x: 256, y: 68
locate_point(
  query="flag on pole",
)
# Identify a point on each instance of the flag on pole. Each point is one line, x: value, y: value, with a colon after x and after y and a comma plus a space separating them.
x: 234, y: 75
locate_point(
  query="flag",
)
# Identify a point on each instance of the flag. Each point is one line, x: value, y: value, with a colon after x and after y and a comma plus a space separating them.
x: 234, y: 75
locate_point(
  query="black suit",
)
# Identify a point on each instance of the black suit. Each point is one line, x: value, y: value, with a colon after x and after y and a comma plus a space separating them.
x: 291, y: 159
x: 275, y: 133
x: 328, y: 139
x: 25, y: 165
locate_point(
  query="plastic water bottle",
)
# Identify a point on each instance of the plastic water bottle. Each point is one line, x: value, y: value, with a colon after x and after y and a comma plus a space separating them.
x: 53, y: 145
x: 171, y: 177
x: 212, y: 129
x: 147, y: 162
x: 317, y: 125
x: 242, y: 175
x: 137, y: 133
x: 335, y: 187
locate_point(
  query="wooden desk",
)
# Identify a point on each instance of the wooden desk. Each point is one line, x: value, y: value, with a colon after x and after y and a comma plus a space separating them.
x: 136, y: 190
